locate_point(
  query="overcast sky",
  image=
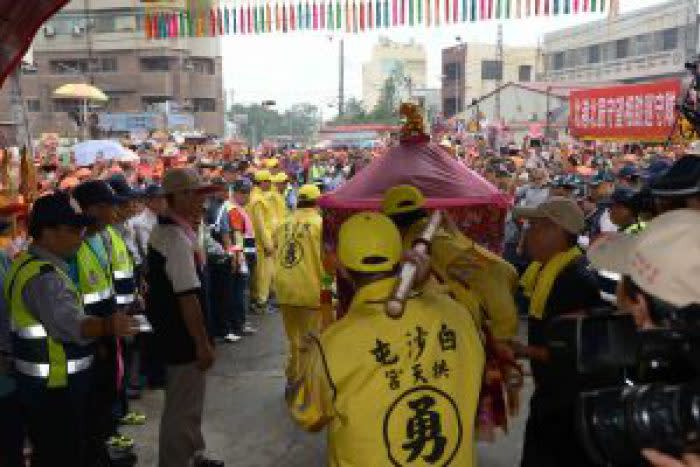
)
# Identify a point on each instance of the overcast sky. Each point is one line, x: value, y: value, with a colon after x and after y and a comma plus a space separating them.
x: 303, y: 66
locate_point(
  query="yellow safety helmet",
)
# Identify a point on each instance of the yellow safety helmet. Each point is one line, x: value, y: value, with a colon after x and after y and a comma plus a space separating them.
x: 309, y: 192
x: 280, y: 177
x: 401, y: 199
x: 271, y: 163
x: 263, y: 176
x: 369, y: 242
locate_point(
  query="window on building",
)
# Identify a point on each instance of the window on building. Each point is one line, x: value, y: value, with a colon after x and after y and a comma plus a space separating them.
x: 154, y: 103
x: 670, y: 39
x: 68, y: 66
x: 33, y: 105
x: 594, y: 54
x: 525, y: 73
x: 109, y: 65
x: 643, y: 44
x: 155, y: 63
x: 451, y: 71
x: 66, y: 105
x: 203, y: 66
x: 204, y: 104
x: 558, y: 61
x: 492, y: 69
x: 622, y: 48
x: 449, y: 106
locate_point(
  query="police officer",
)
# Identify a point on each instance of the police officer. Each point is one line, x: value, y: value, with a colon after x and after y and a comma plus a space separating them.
x: 52, y: 334
x: 391, y: 391
x: 298, y: 273
x: 263, y: 219
x: 91, y: 269
x: 478, y: 279
x: 679, y: 187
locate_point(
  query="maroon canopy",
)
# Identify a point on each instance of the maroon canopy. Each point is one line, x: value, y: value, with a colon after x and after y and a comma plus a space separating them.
x: 19, y: 22
x: 445, y: 182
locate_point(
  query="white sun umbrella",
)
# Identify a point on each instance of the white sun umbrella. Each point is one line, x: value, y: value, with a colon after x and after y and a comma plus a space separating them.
x: 88, y: 152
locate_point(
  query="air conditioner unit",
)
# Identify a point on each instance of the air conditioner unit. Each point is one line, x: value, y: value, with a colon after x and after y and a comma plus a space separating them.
x: 49, y: 31
x: 77, y: 30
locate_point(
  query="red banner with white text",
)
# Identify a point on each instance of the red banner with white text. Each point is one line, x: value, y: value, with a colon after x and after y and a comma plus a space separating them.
x: 640, y: 112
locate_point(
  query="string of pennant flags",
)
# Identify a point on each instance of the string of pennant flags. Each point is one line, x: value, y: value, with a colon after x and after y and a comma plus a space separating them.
x: 349, y: 16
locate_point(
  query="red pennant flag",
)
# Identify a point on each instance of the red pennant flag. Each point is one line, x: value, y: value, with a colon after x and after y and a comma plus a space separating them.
x: 362, y: 15
x: 585, y: 6
x: 437, y: 12
x: 537, y: 7
x: 212, y: 22
x: 220, y: 17
x: 482, y: 9
x: 322, y: 15
x: 455, y: 11
x: 447, y: 11
x: 292, y: 18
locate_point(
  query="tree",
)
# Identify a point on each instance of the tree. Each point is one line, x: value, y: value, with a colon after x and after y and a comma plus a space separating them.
x: 297, y: 123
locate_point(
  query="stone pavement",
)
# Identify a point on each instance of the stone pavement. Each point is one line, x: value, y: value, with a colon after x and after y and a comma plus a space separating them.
x: 246, y: 422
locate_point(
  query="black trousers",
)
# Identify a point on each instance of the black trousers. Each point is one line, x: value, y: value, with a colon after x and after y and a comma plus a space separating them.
x: 56, y: 424
x: 551, y: 437
x: 12, y: 431
x: 101, y: 400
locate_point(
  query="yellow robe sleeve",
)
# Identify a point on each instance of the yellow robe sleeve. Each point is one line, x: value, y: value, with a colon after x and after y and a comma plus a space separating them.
x: 310, y: 400
x: 262, y: 231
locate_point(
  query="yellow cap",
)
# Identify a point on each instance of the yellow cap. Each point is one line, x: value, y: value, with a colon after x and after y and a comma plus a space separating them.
x: 378, y: 252
x: 309, y: 193
x: 402, y: 198
x: 280, y: 177
x: 263, y: 176
x: 271, y: 163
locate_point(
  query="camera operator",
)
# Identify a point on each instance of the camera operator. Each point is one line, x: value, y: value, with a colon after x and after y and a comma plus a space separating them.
x: 660, y: 268
x: 679, y: 187
x: 558, y: 282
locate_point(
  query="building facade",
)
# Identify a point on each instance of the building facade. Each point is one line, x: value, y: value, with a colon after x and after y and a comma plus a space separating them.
x: 471, y: 70
x: 646, y: 44
x: 406, y: 62
x: 148, y: 82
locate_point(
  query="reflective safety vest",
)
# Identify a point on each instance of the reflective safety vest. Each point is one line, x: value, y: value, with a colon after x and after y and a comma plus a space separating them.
x: 94, y: 283
x: 38, y: 355
x: 122, y: 269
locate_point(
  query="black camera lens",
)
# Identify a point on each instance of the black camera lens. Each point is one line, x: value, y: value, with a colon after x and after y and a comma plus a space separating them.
x: 617, y: 423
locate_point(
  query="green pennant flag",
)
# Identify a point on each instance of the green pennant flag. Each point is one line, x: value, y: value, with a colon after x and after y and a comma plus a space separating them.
x: 234, y: 19
x: 300, y: 17
x: 330, y: 22
x: 419, y: 11
x: 508, y: 4
x: 410, y: 12
x: 555, y: 7
x: 602, y: 6
x: 473, y: 11
x: 593, y: 6
x: 191, y: 21
x: 567, y: 7
x: 386, y: 13
x: 498, y: 9
x: 338, y: 16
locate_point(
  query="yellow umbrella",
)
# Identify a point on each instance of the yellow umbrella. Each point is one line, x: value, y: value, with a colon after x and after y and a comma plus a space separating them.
x: 81, y: 91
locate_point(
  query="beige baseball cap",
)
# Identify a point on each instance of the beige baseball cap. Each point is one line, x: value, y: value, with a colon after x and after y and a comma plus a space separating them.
x: 184, y: 179
x: 663, y: 260
x: 562, y: 211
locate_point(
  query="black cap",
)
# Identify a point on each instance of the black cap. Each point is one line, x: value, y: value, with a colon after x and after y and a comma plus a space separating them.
x: 96, y: 192
x: 682, y: 179
x: 122, y: 188
x: 153, y: 191
x: 57, y: 209
x: 623, y: 196
x: 242, y: 186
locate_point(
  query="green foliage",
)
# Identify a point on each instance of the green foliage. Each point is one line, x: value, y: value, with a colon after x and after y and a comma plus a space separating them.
x: 298, y: 123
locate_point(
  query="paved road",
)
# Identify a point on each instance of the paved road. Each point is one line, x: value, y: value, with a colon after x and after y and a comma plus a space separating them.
x: 246, y: 423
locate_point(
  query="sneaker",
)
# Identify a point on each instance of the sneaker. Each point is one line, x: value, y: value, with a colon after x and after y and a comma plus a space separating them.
x: 201, y: 461
x: 120, y: 442
x: 249, y: 330
x: 133, y: 418
x: 231, y: 337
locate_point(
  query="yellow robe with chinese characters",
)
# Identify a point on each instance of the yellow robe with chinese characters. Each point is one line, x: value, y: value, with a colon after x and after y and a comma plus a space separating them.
x: 480, y: 280
x: 263, y: 225
x: 394, y: 392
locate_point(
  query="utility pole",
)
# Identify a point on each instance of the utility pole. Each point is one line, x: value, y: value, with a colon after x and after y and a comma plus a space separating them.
x: 19, y: 111
x: 499, y: 80
x: 341, y: 79
x: 88, y: 42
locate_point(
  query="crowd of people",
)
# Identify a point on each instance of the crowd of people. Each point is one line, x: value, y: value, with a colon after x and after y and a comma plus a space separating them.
x: 124, y: 277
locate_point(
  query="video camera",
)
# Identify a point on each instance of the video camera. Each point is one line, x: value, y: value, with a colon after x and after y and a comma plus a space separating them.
x: 690, y: 105
x: 643, y: 387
